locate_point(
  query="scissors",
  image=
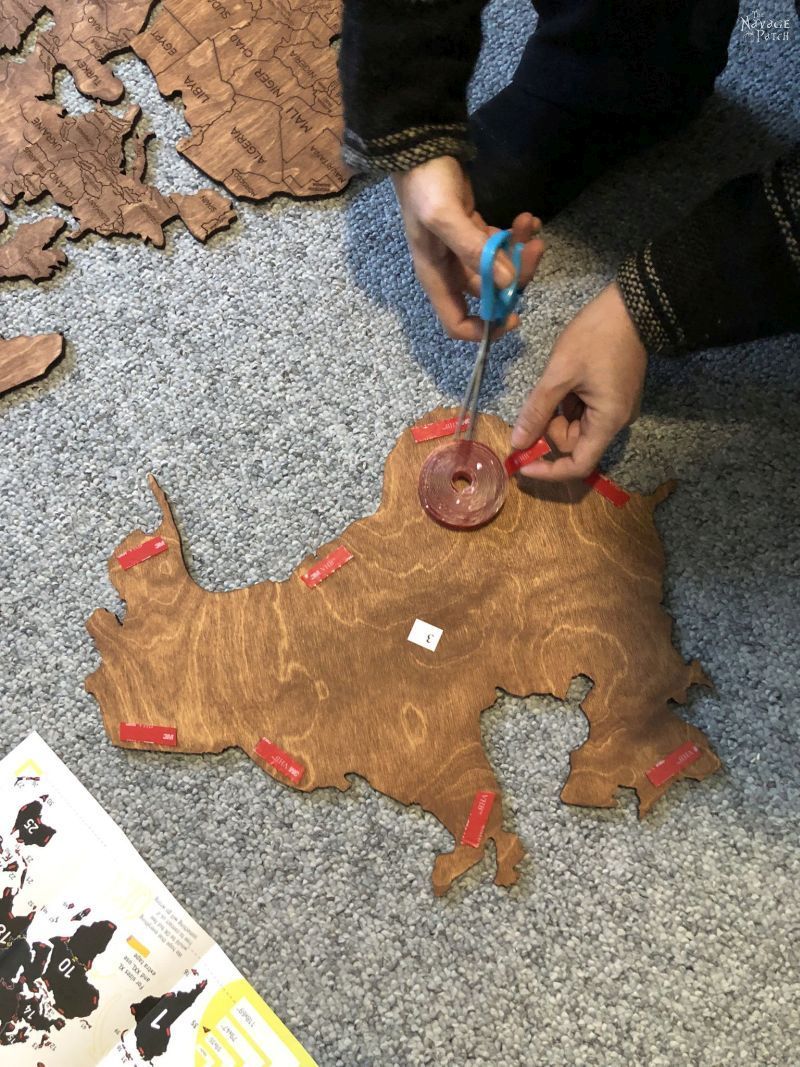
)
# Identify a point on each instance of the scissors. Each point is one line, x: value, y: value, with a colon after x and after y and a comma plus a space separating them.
x: 496, y: 306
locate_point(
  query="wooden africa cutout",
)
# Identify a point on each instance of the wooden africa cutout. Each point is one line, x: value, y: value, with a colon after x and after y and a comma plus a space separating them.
x: 561, y: 584
x: 24, y: 358
x: 260, y: 89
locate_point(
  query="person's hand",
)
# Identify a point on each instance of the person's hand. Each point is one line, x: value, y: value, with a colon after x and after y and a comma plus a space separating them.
x: 446, y: 236
x: 590, y: 388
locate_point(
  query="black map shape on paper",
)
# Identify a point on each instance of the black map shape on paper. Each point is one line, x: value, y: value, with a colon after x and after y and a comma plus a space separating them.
x: 11, y: 926
x: 32, y: 974
x: 29, y: 826
x: 22, y: 1005
x: 70, y: 960
x: 156, y: 1015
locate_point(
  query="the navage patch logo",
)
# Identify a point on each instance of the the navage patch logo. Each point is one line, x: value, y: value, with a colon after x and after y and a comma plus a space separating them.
x: 765, y: 29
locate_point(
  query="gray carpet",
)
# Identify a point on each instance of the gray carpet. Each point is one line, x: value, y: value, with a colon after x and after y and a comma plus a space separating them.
x: 263, y: 379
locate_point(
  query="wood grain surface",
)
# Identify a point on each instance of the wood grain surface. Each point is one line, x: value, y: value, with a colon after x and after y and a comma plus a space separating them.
x: 24, y: 358
x: 561, y: 584
x: 83, y: 34
x: 260, y: 90
x: 27, y: 254
x: 94, y: 163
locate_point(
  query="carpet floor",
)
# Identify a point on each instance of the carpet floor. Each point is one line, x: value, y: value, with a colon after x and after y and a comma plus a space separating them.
x: 263, y: 379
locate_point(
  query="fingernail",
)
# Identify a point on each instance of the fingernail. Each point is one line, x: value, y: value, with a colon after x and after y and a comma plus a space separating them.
x: 517, y: 439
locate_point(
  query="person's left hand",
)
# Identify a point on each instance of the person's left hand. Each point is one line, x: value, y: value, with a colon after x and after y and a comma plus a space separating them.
x: 590, y: 389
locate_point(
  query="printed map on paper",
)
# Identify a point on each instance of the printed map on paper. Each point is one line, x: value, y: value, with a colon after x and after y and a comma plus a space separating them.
x: 99, y: 964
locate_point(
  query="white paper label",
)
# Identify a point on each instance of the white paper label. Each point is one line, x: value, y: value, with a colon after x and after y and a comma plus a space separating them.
x: 422, y: 633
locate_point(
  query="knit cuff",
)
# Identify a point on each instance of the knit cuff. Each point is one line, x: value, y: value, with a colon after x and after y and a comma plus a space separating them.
x: 407, y: 148
x: 726, y: 273
x: 648, y: 304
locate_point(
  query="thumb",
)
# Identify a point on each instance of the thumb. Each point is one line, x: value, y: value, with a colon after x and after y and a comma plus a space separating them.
x: 537, y: 411
x: 465, y: 238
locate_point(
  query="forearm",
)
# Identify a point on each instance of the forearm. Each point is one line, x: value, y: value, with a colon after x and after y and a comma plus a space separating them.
x: 729, y: 272
x: 404, y: 67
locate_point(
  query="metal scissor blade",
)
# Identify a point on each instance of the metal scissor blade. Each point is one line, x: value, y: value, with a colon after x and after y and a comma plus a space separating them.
x: 469, y: 405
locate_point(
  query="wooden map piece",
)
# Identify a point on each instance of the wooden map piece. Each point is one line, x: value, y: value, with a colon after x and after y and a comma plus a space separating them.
x: 561, y: 584
x: 28, y: 253
x: 24, y: 358
x: 260, y: 89
x: 80, y: 161
x: 84, y: 34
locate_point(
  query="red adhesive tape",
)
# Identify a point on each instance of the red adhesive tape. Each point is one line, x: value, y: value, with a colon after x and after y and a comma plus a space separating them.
x: 322, y: 570
x: 445, y: 428
x: 280, y: 760
x: 610, y: 490
x: 521, y: 458
x: 149, y: 735
x: 669, y: 766
x: 478, y: 817
x: 146, y: 550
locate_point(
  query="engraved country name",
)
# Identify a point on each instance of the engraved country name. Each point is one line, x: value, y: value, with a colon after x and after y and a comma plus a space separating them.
x: 109, y: 36
x: 165, y: 42
x: 327, y: 162
x: 265, y: 79
x: 196, y: 89
x: 298, y: 119
x: 245, y: 184
x: 302, y: 64
x: 243, y: 47
x: 246, y: 144
x: 219, y: 8
x: 89, y: 71
x: 46, y: 133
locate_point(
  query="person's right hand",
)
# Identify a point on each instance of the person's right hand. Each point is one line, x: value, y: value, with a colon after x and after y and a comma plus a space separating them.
x: 446, y: 236
x: 590, y: 389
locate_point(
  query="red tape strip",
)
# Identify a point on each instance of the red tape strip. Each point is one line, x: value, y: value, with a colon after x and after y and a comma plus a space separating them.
x: 322, y: 570
x: 478, y: 817
x: 610, y: 490
x: 436, y: 429
x: 146, y: 550
x: 149, y: 735
x: 521, y: 458
x: 670, y: 765
x: 280, y: 760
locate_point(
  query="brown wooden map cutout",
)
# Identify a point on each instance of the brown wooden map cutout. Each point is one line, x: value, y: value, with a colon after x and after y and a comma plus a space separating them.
x: 260, y: 89
x: 561, y: 584
x: 83, y: 35
x: 28, y: 253
x: 80, y: 160
x: 24, y: 358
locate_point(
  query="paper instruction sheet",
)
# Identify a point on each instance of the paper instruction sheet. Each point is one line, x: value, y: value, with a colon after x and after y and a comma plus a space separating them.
x: 100, y: 965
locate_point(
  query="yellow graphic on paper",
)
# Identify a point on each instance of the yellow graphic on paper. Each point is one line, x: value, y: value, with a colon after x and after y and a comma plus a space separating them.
x: 239, y: 1030
x: 132, y: 897
x: 138, y: 947
x: 28, y: 768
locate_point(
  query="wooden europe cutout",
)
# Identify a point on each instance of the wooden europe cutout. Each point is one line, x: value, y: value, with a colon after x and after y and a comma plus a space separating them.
x: 83, y: 35
x: 81, y: 161
x: 561, y: 584
x: 24, y: 358
x: 260, y: 89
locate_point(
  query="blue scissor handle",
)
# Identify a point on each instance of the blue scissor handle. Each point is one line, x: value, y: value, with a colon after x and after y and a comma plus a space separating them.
x: 497, y: 304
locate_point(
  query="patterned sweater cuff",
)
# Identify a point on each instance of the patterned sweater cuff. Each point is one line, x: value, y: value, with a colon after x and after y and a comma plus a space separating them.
x: 729, y: 272
x: 648, y: 304
x: 407, y: 148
